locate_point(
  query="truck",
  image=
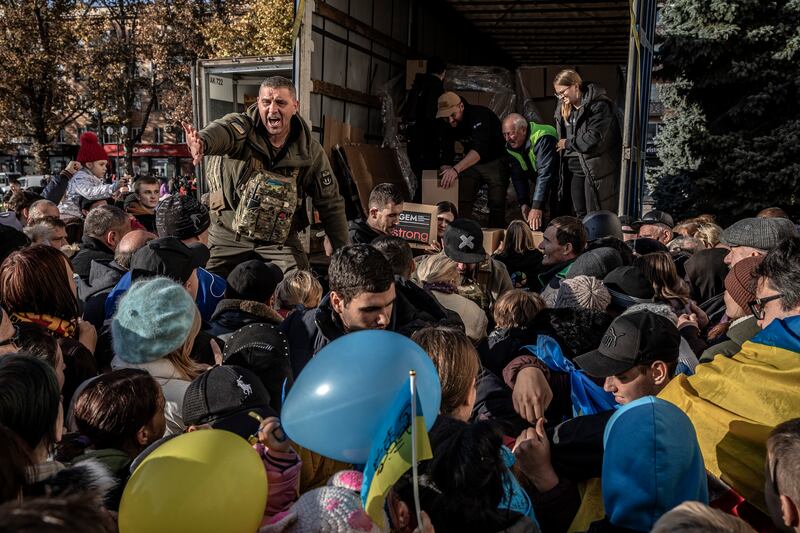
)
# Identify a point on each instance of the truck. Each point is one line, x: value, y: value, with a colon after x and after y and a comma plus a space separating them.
x: 346, y: 51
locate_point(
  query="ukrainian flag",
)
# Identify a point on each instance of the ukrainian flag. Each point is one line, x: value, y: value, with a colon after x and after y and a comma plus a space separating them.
x: 735, y: 402
x: 390, y: 456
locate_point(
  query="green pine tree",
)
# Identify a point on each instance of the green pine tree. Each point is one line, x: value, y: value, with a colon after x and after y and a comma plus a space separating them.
x: 731, y: 139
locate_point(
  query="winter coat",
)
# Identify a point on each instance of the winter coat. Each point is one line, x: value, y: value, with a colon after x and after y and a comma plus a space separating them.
x: 118, y: 464
x: 231, y: 315
x: 283, y: 481
x: 87, y: 185
x: 740, y: 331
x: 103, y: 276
x: 310, y: 330
x: 210, y: 291
x: 493, y: 402
x: 598, y: 144
x: 240, y: 137
x: 424, y: 309
x: 504, y: 345
x: 361, y: 232
x: 80, y: 365
x: 474, y: 318
x: 173, y: 385
x: 92, y: 249
x: 523, y: 268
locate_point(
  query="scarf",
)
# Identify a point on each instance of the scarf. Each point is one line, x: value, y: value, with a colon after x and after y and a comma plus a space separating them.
x: 57, y: 326
x: 440, y: 286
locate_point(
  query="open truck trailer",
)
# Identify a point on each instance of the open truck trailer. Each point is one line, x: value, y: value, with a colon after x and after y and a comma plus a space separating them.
x: 349, y: 53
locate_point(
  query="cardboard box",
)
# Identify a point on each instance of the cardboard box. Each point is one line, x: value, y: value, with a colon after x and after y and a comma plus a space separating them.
x: 371, y: 165
x: 414, y: 67
x: 538, y: 237
x: 417, y: 224
x: 606, y: 76
x: 433, y: 192
x: 478, y: 98
x: 532, y: 82
x: 546, y: 107
x: 492, y: 237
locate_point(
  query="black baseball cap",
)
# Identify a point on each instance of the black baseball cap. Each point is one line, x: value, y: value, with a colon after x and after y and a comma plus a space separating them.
x: 463, y: 241
x: 253, y: 280
x: 181, y: 216
x: 627, y: 286
x: 656, y: 216
x: 223, y: 397
x: 632, y: 339
x: 264, y: 350
x: 169, y: 257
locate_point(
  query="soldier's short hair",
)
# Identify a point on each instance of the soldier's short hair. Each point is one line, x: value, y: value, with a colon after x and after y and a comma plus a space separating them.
x: 279, y: 82
x: 384, y: 194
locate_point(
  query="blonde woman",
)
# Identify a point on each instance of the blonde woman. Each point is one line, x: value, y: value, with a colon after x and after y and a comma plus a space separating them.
x: 154, y: 329
x: 589, y: 143
x: 439, y: 275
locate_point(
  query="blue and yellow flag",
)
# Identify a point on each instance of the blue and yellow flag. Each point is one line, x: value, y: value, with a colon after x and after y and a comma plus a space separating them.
x: 390, y: 456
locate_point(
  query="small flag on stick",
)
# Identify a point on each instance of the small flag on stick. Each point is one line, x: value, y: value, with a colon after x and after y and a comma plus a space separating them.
x: 394, y: 450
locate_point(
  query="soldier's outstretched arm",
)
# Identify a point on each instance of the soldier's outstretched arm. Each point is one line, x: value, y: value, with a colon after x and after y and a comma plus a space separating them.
x: 225, y: 136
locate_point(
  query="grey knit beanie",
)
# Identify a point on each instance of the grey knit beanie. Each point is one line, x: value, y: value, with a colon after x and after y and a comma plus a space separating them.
x: 760, y: 233
x: 596, y: 263
x: 585, y: 292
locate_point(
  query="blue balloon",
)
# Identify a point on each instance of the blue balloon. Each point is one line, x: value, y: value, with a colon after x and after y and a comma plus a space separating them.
x: 337, y: 404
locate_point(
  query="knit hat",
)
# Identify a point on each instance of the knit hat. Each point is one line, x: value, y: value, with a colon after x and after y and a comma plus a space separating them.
x: 223, y: 397
x: 334, y: 508
x: 181, y: 216
x: 583, y: 291
x: 760, y: 233
x: 627, y: 286
x: 90, y: 149
x: 597, y: 263
x: 740, y: 281
x: 254, y: 280
x: 153, y: 318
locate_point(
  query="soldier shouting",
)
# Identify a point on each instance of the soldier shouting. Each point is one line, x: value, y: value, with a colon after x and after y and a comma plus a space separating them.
x: 263, y: 164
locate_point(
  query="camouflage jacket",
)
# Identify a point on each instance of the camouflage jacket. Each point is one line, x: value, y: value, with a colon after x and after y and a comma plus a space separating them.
x: 240, y: 137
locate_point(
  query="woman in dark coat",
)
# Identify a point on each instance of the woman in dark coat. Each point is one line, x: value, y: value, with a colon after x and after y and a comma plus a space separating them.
x: 589, y: 142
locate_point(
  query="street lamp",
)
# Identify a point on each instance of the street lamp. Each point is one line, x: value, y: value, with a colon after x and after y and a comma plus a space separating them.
x: 123, y: 130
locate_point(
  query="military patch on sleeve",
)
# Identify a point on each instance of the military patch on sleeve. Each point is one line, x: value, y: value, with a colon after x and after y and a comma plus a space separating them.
x: 326, y: 179
x: 238, y: 127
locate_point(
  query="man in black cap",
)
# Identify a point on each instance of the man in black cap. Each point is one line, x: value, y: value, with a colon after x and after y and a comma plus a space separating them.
x: 479, y: 131
x: 627, y: 286
x: 248, y: 298
x: 637, y: 356
x: 182, y: 216
x: 657, y: 225
x: 422, y: 128
x: 167, y: 257
x: 483, y: 278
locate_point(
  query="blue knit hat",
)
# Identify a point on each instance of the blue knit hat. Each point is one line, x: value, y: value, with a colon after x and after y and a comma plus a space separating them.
x: 153, y: 319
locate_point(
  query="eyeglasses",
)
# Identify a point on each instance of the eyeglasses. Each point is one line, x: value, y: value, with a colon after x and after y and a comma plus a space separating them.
x: 562, y: 94
x: 757, y: 306
x: 14, y: 339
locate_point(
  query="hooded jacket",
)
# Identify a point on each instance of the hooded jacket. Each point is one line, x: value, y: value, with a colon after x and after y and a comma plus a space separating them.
x: 598, y: 144
x: 666, y: 469
x: 92, y: 249
x: 231, y: 315
x: 103, y: 276
x: 361, y: 232
x: 240, y: 137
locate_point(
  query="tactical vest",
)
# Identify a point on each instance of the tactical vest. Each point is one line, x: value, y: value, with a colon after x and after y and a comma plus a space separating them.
x: 267, y: 202
x: 536, y: 132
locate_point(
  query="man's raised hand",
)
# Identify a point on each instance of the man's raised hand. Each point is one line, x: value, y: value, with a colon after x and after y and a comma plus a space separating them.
x: 195, y: 143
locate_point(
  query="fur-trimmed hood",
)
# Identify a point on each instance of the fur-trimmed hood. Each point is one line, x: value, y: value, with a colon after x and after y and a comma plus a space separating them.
x: 89, y: 477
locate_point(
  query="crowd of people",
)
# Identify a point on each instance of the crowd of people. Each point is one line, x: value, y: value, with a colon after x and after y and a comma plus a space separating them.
x: 608, y: 374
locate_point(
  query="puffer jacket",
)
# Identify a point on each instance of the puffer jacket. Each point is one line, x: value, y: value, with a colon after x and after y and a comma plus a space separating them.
x: 598, y: 143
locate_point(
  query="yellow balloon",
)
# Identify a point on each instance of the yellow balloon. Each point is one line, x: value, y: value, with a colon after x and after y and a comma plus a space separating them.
x: 205, y: 481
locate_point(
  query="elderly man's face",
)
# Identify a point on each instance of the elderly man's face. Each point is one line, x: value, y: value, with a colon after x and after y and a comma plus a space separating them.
x: 515, y: 137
